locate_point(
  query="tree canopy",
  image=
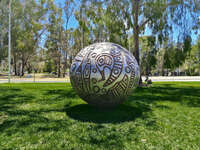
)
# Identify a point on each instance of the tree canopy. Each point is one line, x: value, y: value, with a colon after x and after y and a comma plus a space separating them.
x: 42, y: 27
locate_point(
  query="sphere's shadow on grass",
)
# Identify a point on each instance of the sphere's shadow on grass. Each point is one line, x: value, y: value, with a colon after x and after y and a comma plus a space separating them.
x: 88, y: 113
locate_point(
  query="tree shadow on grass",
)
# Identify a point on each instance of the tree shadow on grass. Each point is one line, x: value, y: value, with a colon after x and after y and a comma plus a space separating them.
x: 62, y: 93
x: 24, y: 118
x: 138, y: 105
x: 17, y: 119
x: 50, y: 96
x: 189, y: 96
x: 122, y: 113
x: 10, y: 97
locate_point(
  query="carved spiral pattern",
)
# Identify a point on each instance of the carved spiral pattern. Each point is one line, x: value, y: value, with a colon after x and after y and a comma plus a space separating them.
x: 104, y: 74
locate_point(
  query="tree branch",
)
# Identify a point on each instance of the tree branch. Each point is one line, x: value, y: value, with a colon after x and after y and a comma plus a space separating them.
x: 38, y: 36
x: 144, y: 23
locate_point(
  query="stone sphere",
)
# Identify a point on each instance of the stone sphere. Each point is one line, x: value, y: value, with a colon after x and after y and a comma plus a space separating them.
x: 104, y: 74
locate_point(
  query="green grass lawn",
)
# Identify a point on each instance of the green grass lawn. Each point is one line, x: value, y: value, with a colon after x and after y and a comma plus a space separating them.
x: 51, y: 116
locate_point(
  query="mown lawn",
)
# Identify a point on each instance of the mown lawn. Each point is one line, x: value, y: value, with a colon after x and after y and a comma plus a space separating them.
x: 51, y: 116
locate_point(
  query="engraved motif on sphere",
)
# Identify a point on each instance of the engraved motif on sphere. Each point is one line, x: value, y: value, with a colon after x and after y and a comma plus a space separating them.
x: 104, y: 74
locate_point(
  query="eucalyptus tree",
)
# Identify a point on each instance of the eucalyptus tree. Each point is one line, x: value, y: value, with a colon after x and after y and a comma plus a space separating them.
x: 77, y: 45
x: 84, y: 23
x: 3, y: 19
x: 69, y: 11
x: 176, y: 55
x: 32, y: 27
x: 162, y: 17
x: 192, y: 63
x: 148, y: 54
x: 3, y: 28
x: 55, y: 34
x: 105, y: 22
x: 28, y: 25
x: 197, y: 56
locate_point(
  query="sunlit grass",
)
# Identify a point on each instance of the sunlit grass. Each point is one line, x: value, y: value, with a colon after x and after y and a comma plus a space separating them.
x: 52, y: 116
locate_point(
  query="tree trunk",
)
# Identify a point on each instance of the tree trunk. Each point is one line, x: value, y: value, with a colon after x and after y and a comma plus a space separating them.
x: 15, y: 68
x: 136, y: 45
x: 23, y: 66
x: 163, y: 73
x: 18, y: 69
x: 59, y: 66
x: 136, y: 32
x: 70, y: 59
x: 167, y: 71
x: 22, y: 73
x: 55, y: 67
x: 163, y: 67
x: 65, y: 64
x: 15, y: 65
x: 29, y: 68
x: 199, y: 69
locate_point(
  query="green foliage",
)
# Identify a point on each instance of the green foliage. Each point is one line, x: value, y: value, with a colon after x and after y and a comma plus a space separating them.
x: 54, y: 42
x: 119, y: 21
x: 42, y: 116
x: 3, y: 29
x: 27, y: 27
x: 148, y: 54
x: 49, y: 66
x: 175, y: 56
x: 101, y: 21
x: 192, y: 63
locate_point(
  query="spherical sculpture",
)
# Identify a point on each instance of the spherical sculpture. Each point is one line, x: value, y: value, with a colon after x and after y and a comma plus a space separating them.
x: 104, y: 74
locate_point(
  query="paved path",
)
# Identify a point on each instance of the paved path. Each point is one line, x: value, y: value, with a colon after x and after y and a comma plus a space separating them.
x: 174, y: 78
x: 65, y: 80
x: 30, y: 80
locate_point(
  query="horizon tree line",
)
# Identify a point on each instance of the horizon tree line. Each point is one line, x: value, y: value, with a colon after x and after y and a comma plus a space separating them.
x: 42, y: 40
